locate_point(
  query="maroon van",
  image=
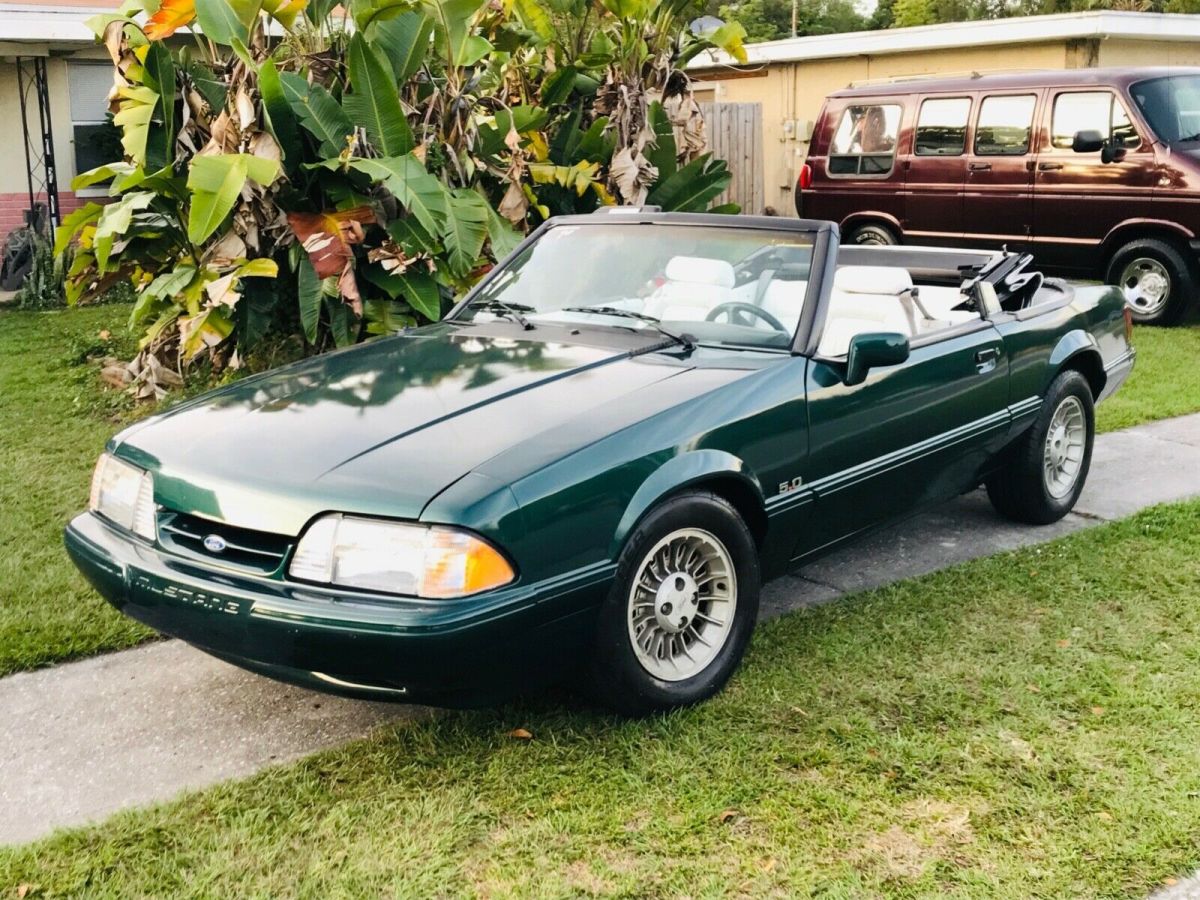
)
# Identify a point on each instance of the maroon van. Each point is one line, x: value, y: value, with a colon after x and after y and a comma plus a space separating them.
x: 1096, y: 171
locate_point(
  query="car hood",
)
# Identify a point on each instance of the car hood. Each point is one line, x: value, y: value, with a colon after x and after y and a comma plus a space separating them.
x: 379, y: 429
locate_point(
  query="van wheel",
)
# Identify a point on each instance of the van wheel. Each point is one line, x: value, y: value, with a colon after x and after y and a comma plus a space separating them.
x: 872, y: 235
x: 681, y: 610
x: 1157, y: 280
x: 1047, y: 467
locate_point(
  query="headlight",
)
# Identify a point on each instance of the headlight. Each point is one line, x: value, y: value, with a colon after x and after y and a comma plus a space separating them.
x: 398, y: 558
x: 124, y: 495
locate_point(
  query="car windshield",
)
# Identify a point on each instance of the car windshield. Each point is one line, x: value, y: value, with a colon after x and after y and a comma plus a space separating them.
x: 718, y: 285
x: 1171, y: 105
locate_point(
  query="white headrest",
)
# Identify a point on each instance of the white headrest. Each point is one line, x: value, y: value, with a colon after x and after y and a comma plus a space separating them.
x: 890, y: 280
x: 700, y: 270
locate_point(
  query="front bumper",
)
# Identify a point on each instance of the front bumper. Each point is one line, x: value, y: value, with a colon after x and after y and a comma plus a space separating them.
x: 470, y: 652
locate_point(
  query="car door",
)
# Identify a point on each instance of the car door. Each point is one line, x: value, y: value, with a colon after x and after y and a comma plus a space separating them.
x: 936, y: 169
x: 908, y: 436
x: 1077, y: 199
x: 998, y: 197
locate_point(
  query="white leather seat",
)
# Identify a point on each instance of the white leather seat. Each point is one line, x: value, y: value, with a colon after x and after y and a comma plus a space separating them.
x: 784, y: 300
x: 864, y: 299
x: 694, y: 286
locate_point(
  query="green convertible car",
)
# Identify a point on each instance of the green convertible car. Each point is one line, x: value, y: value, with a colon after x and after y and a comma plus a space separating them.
x: 590, y: 466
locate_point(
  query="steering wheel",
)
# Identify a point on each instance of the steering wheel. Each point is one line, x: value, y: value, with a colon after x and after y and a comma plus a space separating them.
x: 734, y: 309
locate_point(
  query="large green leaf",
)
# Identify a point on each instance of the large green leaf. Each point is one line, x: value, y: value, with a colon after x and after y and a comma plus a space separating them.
x: 308, y: 294
x: 320, y: 115
x: 503, y: 237
x: 422, y: 294
x: 691, y: 188
x: 317, y: 11
x: 159, y: 73
x: 404, y: 40
x: 280, y: 117
x: 534, y: 16
x: 374, y: 102
x: 366, y: 12
x: 216, y: 182
x: 418, y: 192
x: 65, y: 233
x: 114, y: 222
x: 220, y: 22
x: 661, y: 153
x: 453, y: 34
x: 466, y: 230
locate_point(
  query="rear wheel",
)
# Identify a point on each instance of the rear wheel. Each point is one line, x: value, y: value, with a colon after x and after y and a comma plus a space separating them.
x: 871, y: 235
x: 1157, y: 279
x: 682, y: 608
x: 1047, y: 468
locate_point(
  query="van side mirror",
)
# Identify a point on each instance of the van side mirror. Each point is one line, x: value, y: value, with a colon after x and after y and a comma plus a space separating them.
x: 1111, y: 154
x: 871, y: 350
x: 1088, y: 141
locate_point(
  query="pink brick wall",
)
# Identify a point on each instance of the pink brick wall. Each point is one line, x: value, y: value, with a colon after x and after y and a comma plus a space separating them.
x: 13, y: 206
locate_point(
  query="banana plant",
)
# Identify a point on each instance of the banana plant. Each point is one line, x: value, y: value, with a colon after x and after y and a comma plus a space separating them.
x: 339, y: 173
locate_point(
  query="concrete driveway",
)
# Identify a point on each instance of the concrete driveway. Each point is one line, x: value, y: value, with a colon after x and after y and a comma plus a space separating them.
x: 85, y: 739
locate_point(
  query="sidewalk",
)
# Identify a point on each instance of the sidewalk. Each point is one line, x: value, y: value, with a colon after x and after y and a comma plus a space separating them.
x: 85, y: 739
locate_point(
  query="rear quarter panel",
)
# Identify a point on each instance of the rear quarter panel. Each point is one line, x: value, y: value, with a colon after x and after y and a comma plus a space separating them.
x: 1043, y: 340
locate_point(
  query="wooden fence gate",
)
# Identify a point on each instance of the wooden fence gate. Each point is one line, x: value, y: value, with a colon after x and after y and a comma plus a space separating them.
x: 735, y: 135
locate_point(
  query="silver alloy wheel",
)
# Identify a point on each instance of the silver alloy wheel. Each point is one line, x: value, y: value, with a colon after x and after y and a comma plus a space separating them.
x: 682, y: 604
x: 1065, y: 443
x: 1147, y: 284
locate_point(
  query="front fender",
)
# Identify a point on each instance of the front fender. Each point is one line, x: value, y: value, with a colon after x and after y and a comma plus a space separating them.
x: 678, y: 473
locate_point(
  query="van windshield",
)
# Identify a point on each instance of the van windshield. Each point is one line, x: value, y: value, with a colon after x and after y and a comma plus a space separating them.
x: 1171, y: 105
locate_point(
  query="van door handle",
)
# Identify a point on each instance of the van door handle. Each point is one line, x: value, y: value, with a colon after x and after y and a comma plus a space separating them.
x: 979, y: 167
x: 1049, y: 167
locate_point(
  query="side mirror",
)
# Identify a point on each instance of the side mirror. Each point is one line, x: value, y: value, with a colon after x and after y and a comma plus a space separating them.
x: 1088, y: 141
x: 868, y: 351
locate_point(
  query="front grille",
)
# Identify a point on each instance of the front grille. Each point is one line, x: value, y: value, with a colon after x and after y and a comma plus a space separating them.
x: 257, y: 551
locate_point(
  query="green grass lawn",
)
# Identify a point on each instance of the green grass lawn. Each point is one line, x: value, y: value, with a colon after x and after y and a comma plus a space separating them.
x: 1023, y: 725
x: 54, y: 420
x: 1165, y: 380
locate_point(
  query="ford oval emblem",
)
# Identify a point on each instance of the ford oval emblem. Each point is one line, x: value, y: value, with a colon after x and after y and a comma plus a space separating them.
x: 214, y: 543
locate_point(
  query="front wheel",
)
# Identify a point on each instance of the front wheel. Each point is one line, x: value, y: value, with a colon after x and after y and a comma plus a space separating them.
x: 871, y: 236
x: 681, y: 610
x: 1047, y: 467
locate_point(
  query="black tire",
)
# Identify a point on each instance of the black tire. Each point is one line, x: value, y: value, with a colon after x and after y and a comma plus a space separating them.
x: 1019, y: 490
x: 871, y: 235
x: 614, y: 676
x: 1179, y: 273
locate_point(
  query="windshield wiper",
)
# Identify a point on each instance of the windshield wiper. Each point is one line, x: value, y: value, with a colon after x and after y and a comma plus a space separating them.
x: 684, y: 340
x: 1194, y: 137
x: 500, y: 308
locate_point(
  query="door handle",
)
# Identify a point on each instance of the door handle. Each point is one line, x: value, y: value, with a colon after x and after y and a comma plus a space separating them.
x: 1049, y: 167
x: 979, y: 167
x: 985, y: 359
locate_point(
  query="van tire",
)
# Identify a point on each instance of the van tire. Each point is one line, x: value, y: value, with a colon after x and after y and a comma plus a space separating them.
x: 1152, y: 259
x: 871, y: 235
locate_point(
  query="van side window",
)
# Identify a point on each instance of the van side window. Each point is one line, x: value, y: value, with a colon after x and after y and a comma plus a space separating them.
x: 1090, y: 111
x: 1004, y: 125
x: 942, y: 127
x: 865, y: 140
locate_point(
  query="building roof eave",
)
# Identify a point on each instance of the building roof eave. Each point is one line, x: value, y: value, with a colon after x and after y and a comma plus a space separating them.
x: 955, y: 35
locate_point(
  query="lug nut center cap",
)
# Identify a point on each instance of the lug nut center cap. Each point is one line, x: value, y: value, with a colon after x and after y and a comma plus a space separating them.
x: 676, y: 601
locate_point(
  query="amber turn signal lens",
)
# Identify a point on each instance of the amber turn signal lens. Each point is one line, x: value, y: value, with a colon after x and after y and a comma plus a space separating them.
x: 458, y: 564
